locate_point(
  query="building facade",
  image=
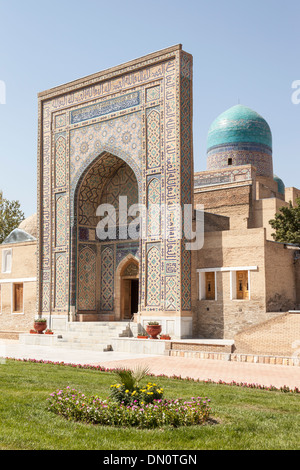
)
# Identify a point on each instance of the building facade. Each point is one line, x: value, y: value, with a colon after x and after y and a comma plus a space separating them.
x: 18, y: 279
x: 121, y: 142
x: 123, y: 132
x: 244, y: 277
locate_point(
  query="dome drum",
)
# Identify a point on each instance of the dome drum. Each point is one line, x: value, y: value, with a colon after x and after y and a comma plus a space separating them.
x: 220, y: 158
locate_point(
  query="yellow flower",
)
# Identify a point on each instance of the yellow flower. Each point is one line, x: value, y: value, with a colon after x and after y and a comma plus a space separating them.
x: 126, y: 391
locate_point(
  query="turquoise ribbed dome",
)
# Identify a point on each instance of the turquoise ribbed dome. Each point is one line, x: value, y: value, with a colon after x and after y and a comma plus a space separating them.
x: 280, y: 184
x: 239, y: 124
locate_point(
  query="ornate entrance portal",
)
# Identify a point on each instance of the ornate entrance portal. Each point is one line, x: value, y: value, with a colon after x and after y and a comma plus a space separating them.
x: 126, y: 131
x: 99, y: 253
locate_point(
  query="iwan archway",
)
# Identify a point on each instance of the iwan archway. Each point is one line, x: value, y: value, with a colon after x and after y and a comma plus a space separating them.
x: 106, y: 192
x: 134, y: 119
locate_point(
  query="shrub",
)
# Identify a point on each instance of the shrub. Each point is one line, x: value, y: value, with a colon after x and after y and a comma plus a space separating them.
x: 130, y: 391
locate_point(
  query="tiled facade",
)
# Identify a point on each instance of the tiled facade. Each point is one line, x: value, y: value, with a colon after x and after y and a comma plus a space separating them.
x: 127, y: 130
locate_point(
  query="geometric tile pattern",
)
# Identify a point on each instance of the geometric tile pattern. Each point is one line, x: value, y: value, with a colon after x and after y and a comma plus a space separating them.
x: 153, y: 275
x: 87, y: 278
x: 153, y: 139
x: 186, y: 171
x: 60, y: 161
x: 152, y: 93
x: 60, y: 281
x: 60, y: 120
x: 61, y: 228
x: 45, y: 297
x: 186, y: 278
x: 154, y: 208
x: 117, y: 135
x: 172, y: 294
x: 107, y: 279
x: 122, y: 183
x: 92, y: 186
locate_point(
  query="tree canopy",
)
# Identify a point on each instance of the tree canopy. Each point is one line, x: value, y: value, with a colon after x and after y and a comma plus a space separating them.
x: 11, y: 216
x: 287, y: 224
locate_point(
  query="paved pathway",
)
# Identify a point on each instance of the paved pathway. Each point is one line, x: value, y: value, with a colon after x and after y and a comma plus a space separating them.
x: 202, y: 369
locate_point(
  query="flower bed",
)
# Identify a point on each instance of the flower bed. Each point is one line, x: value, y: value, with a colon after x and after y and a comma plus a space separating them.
x: 74, y: 405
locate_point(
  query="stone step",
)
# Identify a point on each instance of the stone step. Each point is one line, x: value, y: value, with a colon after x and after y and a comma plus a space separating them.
x: 96, y: 326
x: 93, y: 346
x: 96, y: 329
x: 92, y: 339
x: 92, y: 335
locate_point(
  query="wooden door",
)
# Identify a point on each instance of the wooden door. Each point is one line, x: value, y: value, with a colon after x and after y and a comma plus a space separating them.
x: 18, y: 298
x: 210, y: 286
x: 242, y: 288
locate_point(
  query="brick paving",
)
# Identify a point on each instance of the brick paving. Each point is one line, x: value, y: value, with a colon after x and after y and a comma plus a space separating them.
x: 203, y: 369
x: 215, y: 370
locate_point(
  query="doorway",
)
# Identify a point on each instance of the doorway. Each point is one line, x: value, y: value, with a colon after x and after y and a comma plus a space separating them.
x: 129, y: 291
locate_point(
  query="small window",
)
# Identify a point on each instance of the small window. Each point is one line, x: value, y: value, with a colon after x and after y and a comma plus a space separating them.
x: 210, y: 286
x: 6, y: 261
x: 207, y: 286
x: 229, y: 161
x: 242, y: 285
x: 17, y: 298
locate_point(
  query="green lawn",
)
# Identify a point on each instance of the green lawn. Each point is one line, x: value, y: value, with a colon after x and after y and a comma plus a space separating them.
x: 243, y: 418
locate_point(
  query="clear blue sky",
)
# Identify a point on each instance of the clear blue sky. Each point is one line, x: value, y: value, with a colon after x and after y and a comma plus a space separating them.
x: 246, y: 51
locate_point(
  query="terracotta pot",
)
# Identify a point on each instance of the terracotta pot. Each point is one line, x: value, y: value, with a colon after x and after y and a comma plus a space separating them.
x: 40, y: 327
x: 153, y: 331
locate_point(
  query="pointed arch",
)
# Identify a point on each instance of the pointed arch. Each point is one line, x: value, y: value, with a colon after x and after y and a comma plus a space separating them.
x: 120, y: 285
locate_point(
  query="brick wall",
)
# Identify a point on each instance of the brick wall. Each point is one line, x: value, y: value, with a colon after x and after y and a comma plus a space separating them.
x: 23, y: 272
x: 233, y: 202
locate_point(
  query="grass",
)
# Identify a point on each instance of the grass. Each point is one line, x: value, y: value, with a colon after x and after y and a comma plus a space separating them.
x: 243, y: 418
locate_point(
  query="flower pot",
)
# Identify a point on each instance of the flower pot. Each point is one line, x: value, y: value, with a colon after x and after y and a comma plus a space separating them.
x: 40, y: 327
x: 153, y: 331
x: 142, y: 337
x: 166, y: 337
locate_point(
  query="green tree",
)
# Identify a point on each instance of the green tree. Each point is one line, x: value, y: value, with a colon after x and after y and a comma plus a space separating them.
x: 10, y: 216
x: 287, y: 224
